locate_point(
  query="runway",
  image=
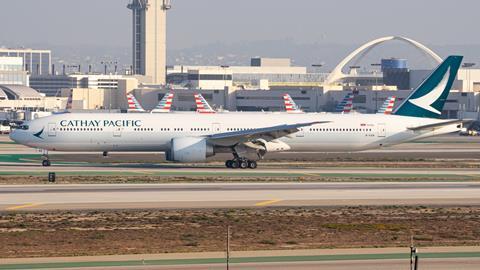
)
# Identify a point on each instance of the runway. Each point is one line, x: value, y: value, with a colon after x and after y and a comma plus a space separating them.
x: 437, y: 264
x: 466, y: 258
x: 240, y: 195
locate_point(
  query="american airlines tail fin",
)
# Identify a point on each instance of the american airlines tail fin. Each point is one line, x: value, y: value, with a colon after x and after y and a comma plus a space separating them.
x: 165, y: 105
x: 429, y: 98
x: 346, y: 105
x: 202, y: 104
x: 133, y: 104
x: 387, y: 106
x: 290, y: 105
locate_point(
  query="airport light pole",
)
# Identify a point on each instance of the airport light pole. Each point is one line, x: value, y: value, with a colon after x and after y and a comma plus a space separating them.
x: 316, y: 66
x: 226, y: 94
x: 228, y: 247
x: 224, y: 75
x: 376, y: 83
x: 468, y: 66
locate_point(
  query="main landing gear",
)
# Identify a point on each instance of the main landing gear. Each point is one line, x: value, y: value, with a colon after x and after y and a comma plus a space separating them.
x: 241, y: 163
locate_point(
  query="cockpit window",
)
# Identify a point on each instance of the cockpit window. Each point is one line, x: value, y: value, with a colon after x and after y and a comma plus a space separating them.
x: 24, y: 127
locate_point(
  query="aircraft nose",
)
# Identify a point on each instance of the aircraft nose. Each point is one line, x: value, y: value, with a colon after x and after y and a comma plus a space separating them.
x: 14, y: 135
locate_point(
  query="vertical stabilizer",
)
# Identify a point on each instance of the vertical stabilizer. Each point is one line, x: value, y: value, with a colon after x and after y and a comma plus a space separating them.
x: 429, y: 98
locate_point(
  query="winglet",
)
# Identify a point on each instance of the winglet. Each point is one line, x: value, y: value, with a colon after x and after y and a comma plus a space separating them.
x: 429, y: 98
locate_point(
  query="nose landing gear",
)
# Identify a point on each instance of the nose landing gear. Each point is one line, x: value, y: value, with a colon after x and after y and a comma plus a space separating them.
x: 45, y: 160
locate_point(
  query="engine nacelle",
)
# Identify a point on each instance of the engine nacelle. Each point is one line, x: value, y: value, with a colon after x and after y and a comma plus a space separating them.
x: 189, y: 149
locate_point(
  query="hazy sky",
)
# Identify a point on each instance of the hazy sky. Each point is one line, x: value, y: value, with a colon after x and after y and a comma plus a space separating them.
x: 198, y: 22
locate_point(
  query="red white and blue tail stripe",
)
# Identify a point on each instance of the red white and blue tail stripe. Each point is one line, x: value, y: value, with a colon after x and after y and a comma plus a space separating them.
x: 346, y: 105
x: 387, y: 106
x: 202, y: 104
x: 165, y: 105
x: 133, y: 104
x: 290, y: 105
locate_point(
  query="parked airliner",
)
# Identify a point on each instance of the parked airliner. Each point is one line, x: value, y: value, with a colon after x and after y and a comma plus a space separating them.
x: 193, y: 137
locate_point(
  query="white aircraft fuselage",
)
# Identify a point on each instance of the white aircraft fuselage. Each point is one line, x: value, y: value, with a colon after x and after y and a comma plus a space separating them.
x: 154, y: 132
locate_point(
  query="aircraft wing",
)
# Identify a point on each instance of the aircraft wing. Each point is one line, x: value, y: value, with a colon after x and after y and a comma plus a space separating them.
x: 268, y: 133
x: 439, y: 125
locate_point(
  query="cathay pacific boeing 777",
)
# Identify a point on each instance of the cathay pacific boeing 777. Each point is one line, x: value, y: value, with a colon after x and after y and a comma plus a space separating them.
x: 193, y: 137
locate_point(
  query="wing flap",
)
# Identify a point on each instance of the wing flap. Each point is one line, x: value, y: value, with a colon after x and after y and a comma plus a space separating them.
x: 268, y: 134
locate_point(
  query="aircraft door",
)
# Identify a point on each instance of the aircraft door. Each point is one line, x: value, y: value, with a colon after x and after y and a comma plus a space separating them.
x: 300, y: 134
x: 381, y: 130
x: 52, y: 129
x: 117, y: 132
x: 216, y: 128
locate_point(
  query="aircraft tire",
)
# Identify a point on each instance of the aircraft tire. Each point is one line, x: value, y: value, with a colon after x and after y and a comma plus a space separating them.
x: 252, y: 164
x: 235, y: 164
x: 243, y: 164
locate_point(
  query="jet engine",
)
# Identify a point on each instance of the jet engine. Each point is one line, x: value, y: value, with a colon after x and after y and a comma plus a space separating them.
x: 189, y: 149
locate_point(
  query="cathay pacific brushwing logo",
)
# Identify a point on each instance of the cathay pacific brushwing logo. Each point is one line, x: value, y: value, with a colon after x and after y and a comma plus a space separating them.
x: 39, y: 134
x: 426, y: 101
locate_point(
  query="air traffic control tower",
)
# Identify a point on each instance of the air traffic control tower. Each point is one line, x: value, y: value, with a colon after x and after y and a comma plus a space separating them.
x: 149, y: 38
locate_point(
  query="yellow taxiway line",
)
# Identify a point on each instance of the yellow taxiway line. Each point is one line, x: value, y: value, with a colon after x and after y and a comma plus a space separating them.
x: 23, y: 206
x: 265, y: 203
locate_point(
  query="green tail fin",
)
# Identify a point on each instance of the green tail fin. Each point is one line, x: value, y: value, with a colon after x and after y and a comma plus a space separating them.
x: 429, y: 98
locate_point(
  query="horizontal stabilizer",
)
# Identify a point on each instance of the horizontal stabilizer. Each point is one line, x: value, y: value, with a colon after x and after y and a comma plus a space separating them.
x: 439, y: 125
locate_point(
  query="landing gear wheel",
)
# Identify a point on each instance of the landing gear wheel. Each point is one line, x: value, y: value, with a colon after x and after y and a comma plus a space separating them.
x: 228, y: 163
x: 243, y: 164
x: 235, y: 164
x: 252, y: 164
x: 46, y: 163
